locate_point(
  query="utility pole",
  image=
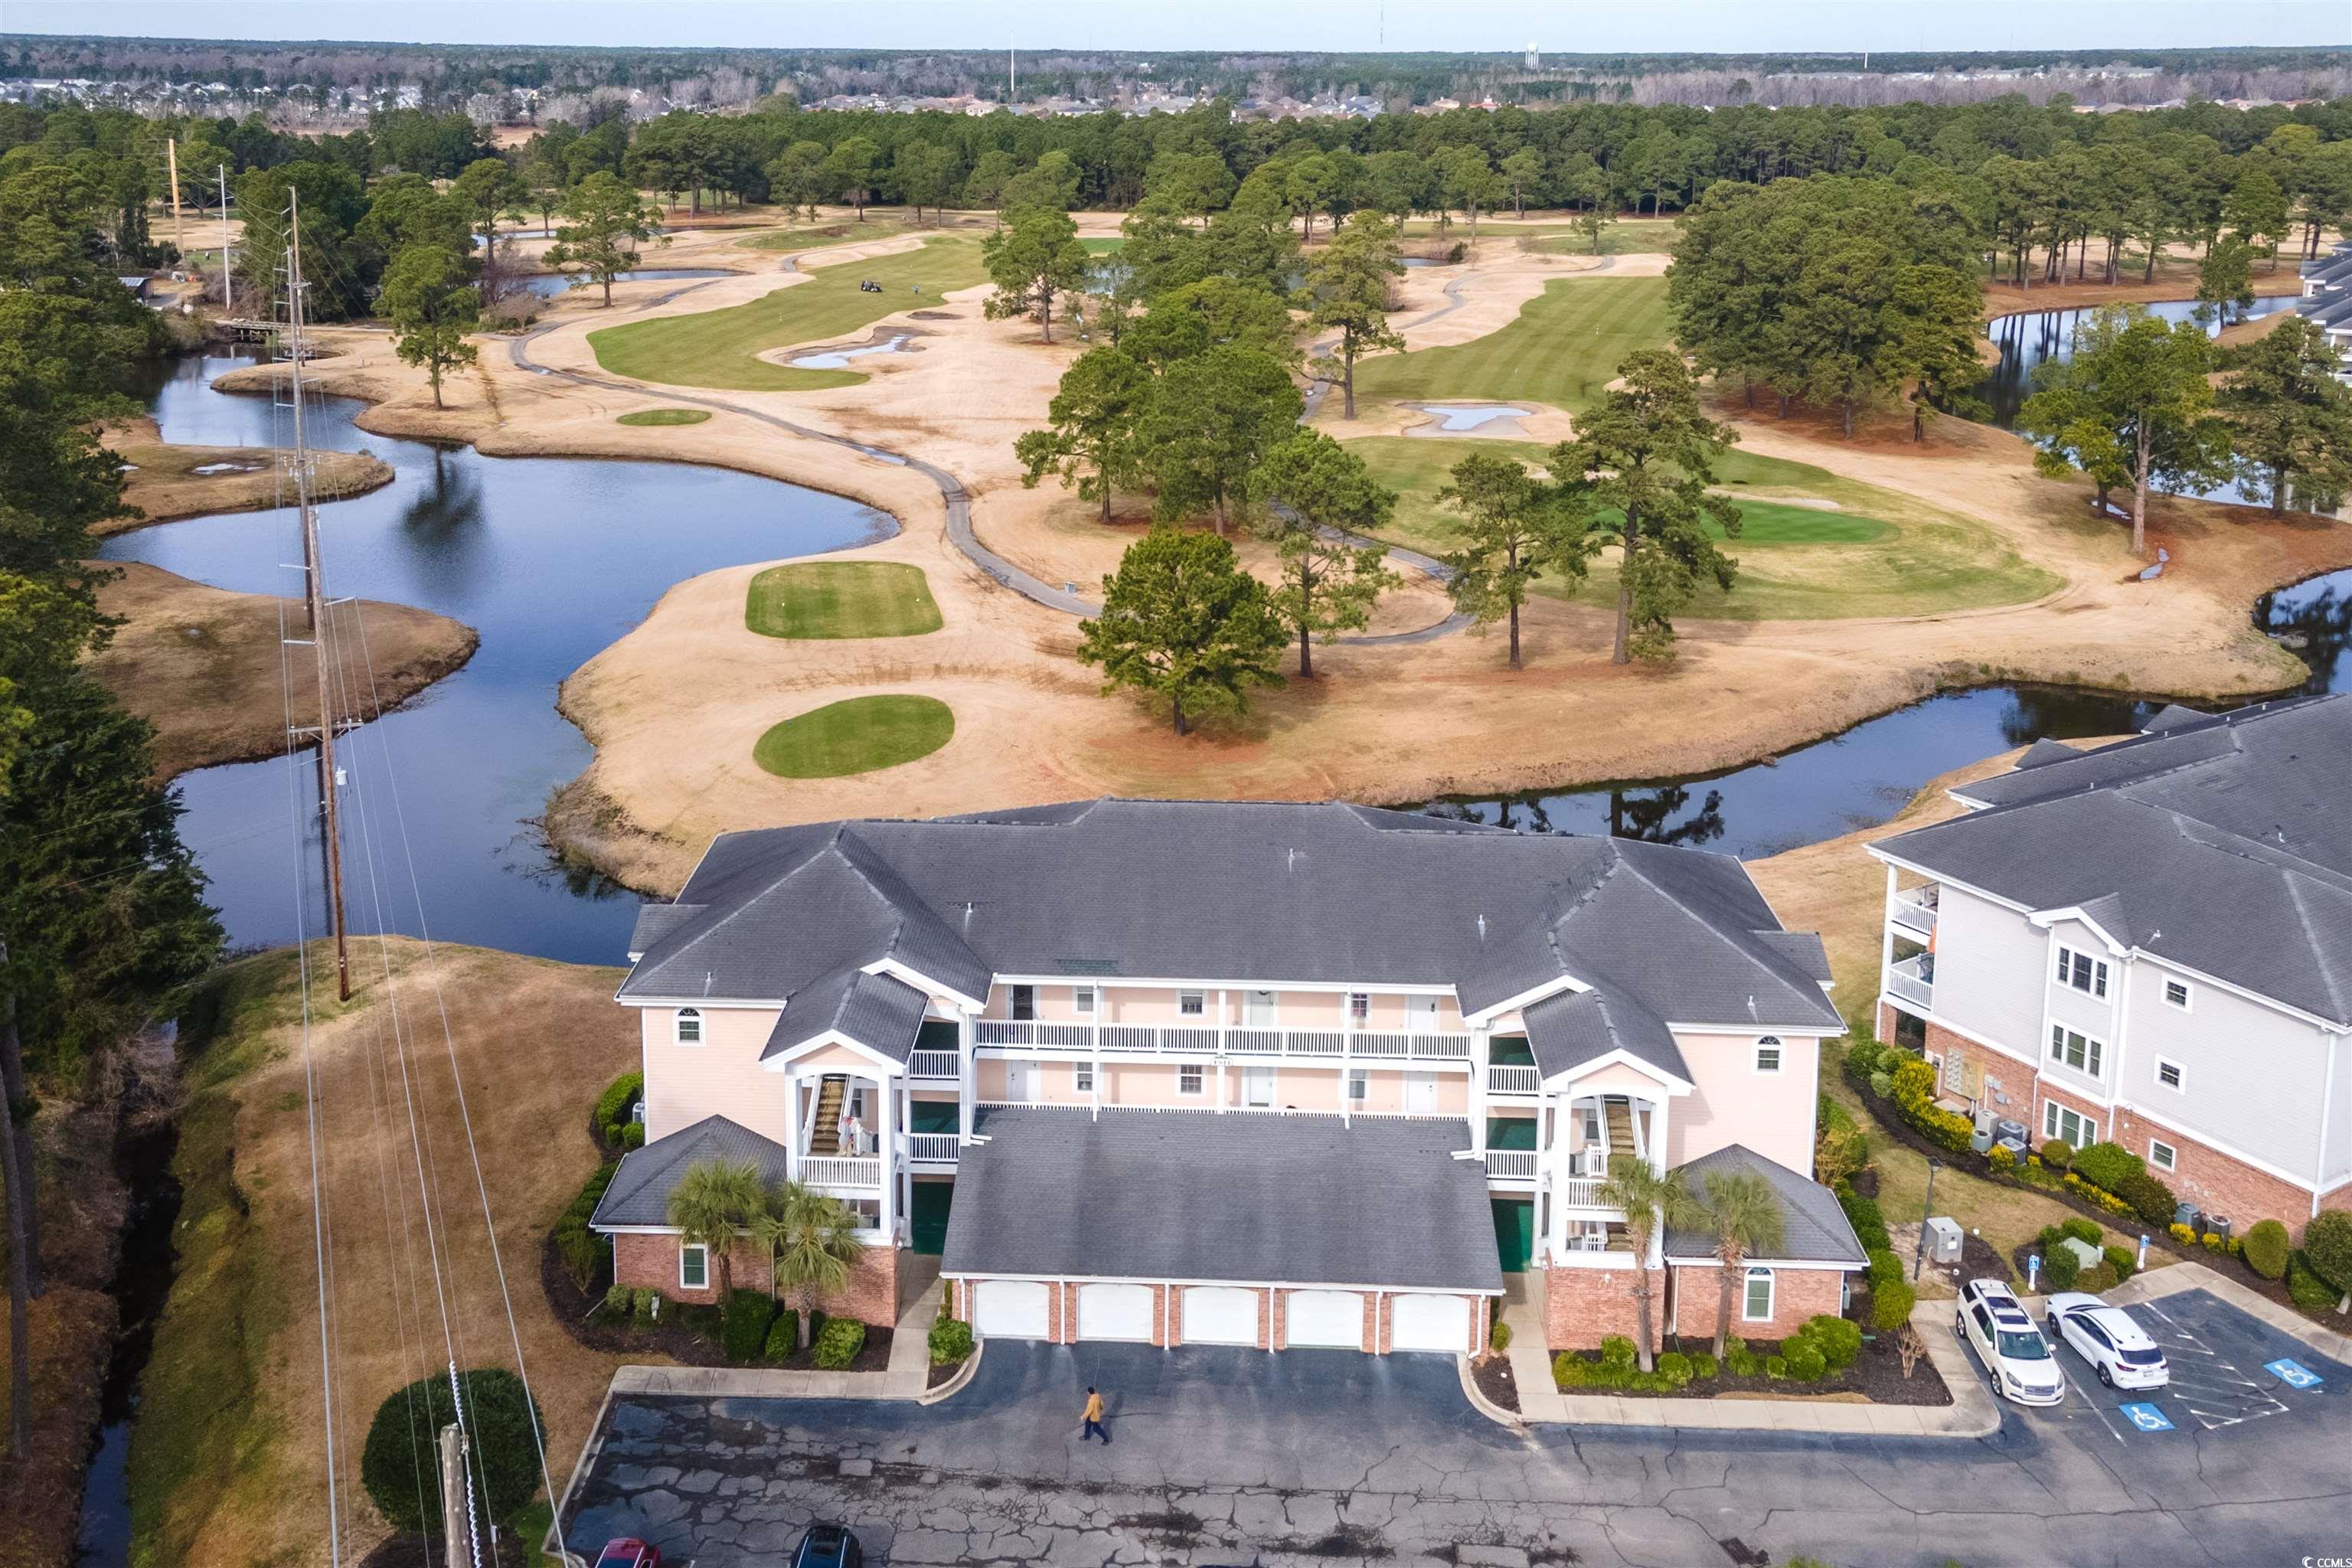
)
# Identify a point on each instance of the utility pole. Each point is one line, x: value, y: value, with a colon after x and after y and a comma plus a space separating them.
x: 172, y: 158
x: 228, y: 298
x: 455, y: 1528
x: 314, y: 607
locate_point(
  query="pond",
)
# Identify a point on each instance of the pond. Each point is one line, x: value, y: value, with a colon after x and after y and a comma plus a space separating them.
x: 839, y: 359
x: 1457, y: 416
x: 551, y: 560
x: 549, y: 285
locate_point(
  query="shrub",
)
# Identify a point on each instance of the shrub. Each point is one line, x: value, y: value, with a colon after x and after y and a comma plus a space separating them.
x: 2061, y: 1268
x: 2144, y: 1196
x: 2082, y: 1230
x: 2058, y: 1155
x: 1881, y: 1085
x: 633, y: 1136
x: 1703, y: 1364
x: 1569, y: 1369
x: 784, y: 1337
x: 1862, y: 1057
x: 838, y: 1342
x: 696, y: 1318
x: 1804, y: 1358
x: 502, y: 1424
x: 1869, y: 1224
x: 1891, y: 1304
x: 617, y: 1299
x: 582, y: 1250
x: 1498, y: 1336
x: 2304, y: 1286
x: 1737, y: 1359
x: 613, y: 1107
x: 2181, y: 1235
x: 743, y: 1331
x: 951, y: 1340
x: 2106, y: 1164
x: 2001, y: 1161
x: 2123, y: 1260
x: 2328, y: 1248
x: 1616, y: 1350
x: 645, y: 1305
x: 1776, y: 1367
x: 1885, y: 1266
x: 2266, y: 1249
x: 2212, y: 1241
x: 1839, y: 1338
x: 1676, y: 1368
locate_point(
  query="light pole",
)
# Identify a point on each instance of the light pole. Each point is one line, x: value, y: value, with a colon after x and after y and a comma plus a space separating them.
x: 1919, y: 1253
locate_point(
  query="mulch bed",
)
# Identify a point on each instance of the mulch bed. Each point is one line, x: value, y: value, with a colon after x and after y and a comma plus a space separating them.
x: 1980, y: 1259
x: 941, y: 1373
x: 575, y: 1309
x: 1877, y: 1375
x: 1493, y: 1374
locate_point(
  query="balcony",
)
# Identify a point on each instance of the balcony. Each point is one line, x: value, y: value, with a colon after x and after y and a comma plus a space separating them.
x: 932, y: 1148
x: 1208, y: 1040
x: 842, y: 1171
x: 1511, y: 1164
x: 1913, y: 980
x: 935, y: 1067
x: 1514, y: 1079
x: 1914, y: 911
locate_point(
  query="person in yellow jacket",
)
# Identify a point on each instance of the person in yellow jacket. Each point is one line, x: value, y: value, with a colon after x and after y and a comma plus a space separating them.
x: 1093, y: 1418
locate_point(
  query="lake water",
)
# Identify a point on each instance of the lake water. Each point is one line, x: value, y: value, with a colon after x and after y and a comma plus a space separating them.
x: 1459, y: 416
x: 551, y: 560
x: 2033, y: 338
x: 839, y: 359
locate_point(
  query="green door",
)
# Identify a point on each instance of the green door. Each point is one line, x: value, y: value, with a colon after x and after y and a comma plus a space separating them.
x: 1515, y: 1232
x: 927, y: 1220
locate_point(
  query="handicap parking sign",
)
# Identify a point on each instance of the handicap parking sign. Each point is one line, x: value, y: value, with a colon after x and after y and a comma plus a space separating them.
x: 2293, y: 1373
x: 2147, y: 1417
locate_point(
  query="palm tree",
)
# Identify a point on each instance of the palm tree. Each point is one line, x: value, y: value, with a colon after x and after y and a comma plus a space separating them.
x: 1651, y: 1199
x: 812, y: 1238
x: 1744, y: 1211
x: 715, y: 1202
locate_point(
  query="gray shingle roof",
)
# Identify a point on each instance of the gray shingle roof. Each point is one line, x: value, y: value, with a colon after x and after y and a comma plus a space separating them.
x: 1272, y: 892
x: 1814, y: 1229
x: 2221, y: 842
x: 641, y: 1187
x: 1567, y: 1031
x: 1143, y: 1194
x: 876, y: 1010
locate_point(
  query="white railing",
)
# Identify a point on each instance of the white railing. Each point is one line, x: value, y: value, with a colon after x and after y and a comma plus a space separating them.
x: 1517, y: 1164
x: 1511, y: 1078
x: 939, y: 1148
x: 933, y: 1065
x: 1914, y: 980
x: 1208, y: 1040
x: 1579, y: 1192
x: 1915, y: 909
x: 841, y: 1170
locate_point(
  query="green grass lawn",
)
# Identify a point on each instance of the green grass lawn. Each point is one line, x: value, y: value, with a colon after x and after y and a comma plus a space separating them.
x: 665, y: 416
x: 841, y: 599
x: 1626, y: 236
x: 1562, y: 350
x: 817, y: 236
x: 1880, y: 554
x: 1104, y: 246
x: 856, y: 736
x: 720, y: 348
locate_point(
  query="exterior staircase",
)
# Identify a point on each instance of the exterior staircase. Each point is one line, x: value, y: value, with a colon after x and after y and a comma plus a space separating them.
x: 1618, y: 1114
x: 825, y: 1132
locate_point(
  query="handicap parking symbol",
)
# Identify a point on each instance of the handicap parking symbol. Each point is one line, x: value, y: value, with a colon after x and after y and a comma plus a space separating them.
x: 2293, y: 1373
x: 2147, y: 1417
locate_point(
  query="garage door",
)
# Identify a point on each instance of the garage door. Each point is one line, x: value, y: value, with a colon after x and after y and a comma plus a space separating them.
x: 1330, y: 1318
x: 1430, y: 1324
x: 1218, y: 1315
x: 1115, y: 1313
x: 1011, y: 1308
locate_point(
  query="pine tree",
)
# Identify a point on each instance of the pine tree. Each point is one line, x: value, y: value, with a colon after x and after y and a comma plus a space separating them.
x: 1182, y: 622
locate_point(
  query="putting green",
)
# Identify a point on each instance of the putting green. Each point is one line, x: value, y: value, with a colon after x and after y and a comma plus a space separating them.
x: 859, y: 736
x: 1564, y: 347
x: 721, y: 348
x: 830, y: 599
x: 665, y: 416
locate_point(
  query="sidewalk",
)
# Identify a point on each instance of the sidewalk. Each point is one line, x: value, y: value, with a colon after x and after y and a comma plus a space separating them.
x: 905, y: 1377
x: 1971, y: 1414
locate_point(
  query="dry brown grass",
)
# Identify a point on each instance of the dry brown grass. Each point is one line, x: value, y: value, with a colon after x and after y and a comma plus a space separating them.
x: 203, y: 665
x: 71, y: 1329
x: 227, y: 1462
x: 165, y: 485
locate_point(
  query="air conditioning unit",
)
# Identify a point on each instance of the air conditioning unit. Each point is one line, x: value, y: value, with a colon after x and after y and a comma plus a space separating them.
x: 1943, y: 1239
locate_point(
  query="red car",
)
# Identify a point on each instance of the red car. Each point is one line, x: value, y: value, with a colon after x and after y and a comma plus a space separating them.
x: 628, y: 1553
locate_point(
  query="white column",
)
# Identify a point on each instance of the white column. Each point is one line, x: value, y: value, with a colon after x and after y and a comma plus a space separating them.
x: 1221, y: 1085
x: 967, y: 1075
x: 886, y: 1148
x: 1480, y: 1041
x: 1885, y: 936
x: 792, y: 1128
x: 1658, y: 1143
x: 1094, y: 1076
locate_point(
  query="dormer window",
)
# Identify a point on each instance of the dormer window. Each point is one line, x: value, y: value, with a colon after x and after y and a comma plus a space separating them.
x: 689, y: 1026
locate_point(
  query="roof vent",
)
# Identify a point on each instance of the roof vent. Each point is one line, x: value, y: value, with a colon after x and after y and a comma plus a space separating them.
x: 706, y: 982
x: 1482, y: 927
x: 1293, y: 863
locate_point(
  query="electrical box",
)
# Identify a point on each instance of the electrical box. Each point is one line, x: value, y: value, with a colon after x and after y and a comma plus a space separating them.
x: 1943, y: 1239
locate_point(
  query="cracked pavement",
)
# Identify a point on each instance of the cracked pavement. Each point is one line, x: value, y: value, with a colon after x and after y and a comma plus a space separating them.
x: 1233, y: 1457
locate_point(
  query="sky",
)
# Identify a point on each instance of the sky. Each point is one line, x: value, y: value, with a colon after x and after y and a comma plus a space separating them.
x: 1586, y: 26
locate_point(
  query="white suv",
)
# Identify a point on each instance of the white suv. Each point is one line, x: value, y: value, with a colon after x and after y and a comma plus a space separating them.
x: 2011, y: 1348
x: 2119, y: 1349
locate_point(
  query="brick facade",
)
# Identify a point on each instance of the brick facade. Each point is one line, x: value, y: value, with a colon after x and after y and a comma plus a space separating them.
x: 1584, y: 1306
x: 649, y: 1262
x: 1797, y: 1294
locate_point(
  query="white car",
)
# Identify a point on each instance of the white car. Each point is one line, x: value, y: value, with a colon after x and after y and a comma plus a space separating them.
x: 2119, y: 1349
x: 2012, y: 1349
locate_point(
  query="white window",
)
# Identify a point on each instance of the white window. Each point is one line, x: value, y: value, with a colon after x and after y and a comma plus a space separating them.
x: 2163, y: 1155
x: 1359, y: 1084
x: 2082, y: 972
x: 1360, y: 1005
x: 2176, y: 991
x: 1757, y: 1307
x: 1082, y: 1000
x: 2077, y: 1051
x: 1188, y: 1080
x: 2057, y: 1121
x: 1082, y: 1077
x: 2169, y: 1073
x: 1767, y: 1055
x: 1191, y: 1004
x: 694, y: 1268
x: 689, y: 1026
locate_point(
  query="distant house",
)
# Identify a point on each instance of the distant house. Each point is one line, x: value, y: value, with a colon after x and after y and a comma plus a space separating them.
x: 2150, y: 945
x: 140, y: 285
x: 2327, y: 300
